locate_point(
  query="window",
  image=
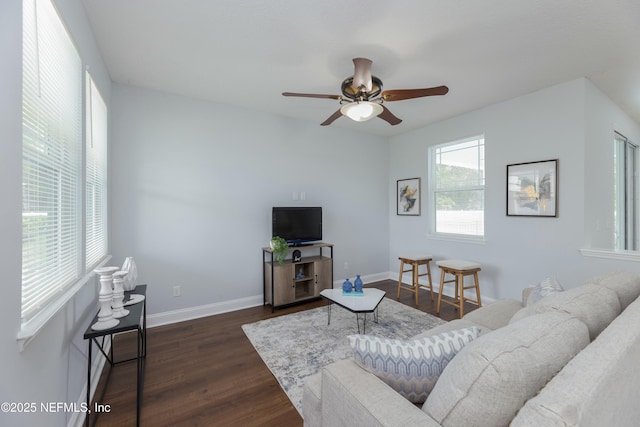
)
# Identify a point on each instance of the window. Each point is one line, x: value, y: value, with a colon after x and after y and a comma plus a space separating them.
x: 96, y: 176
x: 63, y: 229
x: 457, y: 187
x: 625, y: 167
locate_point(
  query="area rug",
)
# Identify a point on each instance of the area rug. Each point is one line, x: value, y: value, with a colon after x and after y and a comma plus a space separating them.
x: 298, y: 345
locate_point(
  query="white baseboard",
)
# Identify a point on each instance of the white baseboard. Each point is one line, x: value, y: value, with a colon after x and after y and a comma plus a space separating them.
x: 190, y: 313
x: 197, y: 312
x: 175, y: 316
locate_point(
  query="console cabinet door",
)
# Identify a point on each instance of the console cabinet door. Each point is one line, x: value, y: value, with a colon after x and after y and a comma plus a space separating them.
x: 284, y: 286
x: 323, y: 270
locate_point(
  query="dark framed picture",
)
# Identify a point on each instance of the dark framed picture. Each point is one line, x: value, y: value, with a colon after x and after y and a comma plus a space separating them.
x: 532, y: 189
x: 408, y: 196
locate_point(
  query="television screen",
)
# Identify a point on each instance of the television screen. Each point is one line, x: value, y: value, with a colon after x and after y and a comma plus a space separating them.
x: 297, y: 225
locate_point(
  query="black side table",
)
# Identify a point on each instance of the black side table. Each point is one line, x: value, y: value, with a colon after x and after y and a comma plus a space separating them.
x: 136, y: 320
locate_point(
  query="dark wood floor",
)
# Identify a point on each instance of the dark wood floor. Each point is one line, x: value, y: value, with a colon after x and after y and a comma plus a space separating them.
x: 205, y: 372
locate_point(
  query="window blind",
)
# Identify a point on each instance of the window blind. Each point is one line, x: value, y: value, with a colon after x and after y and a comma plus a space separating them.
x: 51, y: 158
x: 95, y: 176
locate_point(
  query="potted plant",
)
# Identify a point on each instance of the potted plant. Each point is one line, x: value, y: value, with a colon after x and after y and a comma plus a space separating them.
x: 280, y: 249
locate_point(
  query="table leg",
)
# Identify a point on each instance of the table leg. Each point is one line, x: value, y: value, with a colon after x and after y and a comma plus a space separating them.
x: 329, y: 314
x: 364, y: 324
x: 138, y: 382
x: 88, y: 414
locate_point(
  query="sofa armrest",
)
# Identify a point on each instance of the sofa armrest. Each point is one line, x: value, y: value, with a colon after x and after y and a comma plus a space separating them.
x: 352, y: 397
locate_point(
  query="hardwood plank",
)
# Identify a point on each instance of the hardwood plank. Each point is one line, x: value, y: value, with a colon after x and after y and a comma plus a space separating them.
x: 205, y: 372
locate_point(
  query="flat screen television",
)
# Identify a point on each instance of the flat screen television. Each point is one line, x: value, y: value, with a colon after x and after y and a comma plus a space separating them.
x: 297, y: 225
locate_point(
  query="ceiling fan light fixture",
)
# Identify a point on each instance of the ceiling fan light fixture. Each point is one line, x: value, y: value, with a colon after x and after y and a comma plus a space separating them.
x: 361, y: 111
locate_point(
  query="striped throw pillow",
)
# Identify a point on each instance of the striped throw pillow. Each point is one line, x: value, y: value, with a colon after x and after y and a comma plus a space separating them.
x: 410, y: 367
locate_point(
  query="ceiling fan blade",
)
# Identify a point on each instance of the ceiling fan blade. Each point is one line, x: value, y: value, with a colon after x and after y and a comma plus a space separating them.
x: 312, y: 95
x: 331, y: 119
x: 388, y: 116
x: 362, y: 74
x: 401, y: 94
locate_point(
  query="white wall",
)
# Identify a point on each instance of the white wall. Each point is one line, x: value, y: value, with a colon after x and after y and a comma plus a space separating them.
x: 53, y: 366
x: 519, y: 251
x: 194, y: 183
x: 603, y: 117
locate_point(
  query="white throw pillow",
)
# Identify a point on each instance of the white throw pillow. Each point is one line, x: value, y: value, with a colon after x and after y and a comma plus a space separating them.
x: 410, y: 367
x: 547, y: 287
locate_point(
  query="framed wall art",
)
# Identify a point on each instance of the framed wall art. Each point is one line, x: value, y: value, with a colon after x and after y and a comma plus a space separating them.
x: 408, y: 196
x: 532, y: 189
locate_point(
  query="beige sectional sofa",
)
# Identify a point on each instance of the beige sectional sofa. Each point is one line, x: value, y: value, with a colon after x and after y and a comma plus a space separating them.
x: 570, y: 359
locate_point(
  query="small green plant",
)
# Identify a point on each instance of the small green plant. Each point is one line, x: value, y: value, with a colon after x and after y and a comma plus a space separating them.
x: 280, y: 249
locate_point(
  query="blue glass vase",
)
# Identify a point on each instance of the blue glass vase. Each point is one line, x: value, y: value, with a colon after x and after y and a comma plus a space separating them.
x: 357, y: 284
x: 346, y: 286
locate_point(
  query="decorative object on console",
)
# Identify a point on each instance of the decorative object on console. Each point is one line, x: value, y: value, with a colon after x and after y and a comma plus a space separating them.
x: 280, y: 249
x: 347, y: 287
x: 118, y: 295
x: 532, y: 189
x: 105, y: 315
x: 131, y: 279
x: 296, y: 256
x: 300, y: 274
x: 408, y: 196
x: 357, y: 284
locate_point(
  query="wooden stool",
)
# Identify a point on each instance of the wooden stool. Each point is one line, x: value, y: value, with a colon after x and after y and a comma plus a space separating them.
x: 415, y: 263
x: 459, y: 268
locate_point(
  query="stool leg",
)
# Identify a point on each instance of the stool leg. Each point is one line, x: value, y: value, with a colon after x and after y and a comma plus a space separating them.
x: 430, y: 282
x: 400, y: 278
x: 461, y: 279
x: 475, y: 278
x: 456, y: 292
x: 440, y: 292
x: 416, y: 286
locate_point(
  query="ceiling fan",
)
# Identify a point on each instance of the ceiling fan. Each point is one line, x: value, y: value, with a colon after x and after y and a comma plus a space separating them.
x: 362, y: 96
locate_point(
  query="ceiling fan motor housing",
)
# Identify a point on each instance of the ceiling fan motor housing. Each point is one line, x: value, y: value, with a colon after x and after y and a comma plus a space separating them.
x: 356, y: 94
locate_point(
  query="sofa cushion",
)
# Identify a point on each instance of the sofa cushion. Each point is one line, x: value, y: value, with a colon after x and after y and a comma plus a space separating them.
x: 410, y: 367
x: 595, y: 305
x: 495, y: 315
x: 493, y: 376
x: 624, y: 283
x: 598, y: 387
x: 452, y: 326
x: 312, y: 400
x: 546, y: 287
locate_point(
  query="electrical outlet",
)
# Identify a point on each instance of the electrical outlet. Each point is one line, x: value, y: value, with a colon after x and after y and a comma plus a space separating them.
x: 303, y: 195
x: 177, y: 291
x: 346, y: 266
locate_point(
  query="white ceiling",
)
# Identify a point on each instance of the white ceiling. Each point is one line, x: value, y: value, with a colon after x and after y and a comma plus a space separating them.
x: 247, y: 52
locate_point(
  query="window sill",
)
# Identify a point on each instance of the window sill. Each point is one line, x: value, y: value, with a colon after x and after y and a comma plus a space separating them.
x: 31, y: 329
x: 478, y: 240
x: 620, y: 255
